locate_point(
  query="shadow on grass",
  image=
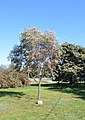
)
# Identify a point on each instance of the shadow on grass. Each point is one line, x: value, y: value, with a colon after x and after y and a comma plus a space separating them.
x: 11, y: 94
x: 77, y: 89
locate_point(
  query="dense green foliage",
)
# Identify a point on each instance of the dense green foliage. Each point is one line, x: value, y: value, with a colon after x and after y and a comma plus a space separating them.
x: 71, y: 67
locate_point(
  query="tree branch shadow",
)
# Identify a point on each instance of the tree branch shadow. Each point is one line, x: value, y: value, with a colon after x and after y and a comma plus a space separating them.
x: 11, y: 94
x: 77, y: 89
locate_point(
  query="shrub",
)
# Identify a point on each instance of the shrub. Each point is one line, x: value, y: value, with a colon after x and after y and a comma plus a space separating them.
x: 10, y: 78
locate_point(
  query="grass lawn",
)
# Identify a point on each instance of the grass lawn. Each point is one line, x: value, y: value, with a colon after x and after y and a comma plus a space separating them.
x: 61, y: 102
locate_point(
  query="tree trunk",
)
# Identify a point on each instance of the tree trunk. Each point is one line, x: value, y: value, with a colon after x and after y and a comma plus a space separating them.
x: 39, y: 85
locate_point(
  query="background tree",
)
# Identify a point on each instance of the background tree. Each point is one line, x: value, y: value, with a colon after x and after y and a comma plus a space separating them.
x: 16, y: 57
x: 72, y: 65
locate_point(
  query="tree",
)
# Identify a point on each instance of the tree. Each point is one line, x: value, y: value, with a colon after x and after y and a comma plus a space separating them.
x: 16, y: 57
x: 37, y: 53
x: 36, y: 49
x: 72, y: 65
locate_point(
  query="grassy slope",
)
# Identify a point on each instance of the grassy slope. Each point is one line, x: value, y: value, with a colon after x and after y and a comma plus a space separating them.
x: 61, y: 102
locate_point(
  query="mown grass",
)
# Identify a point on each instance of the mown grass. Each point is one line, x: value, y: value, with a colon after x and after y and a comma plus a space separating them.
x: 61, y: 102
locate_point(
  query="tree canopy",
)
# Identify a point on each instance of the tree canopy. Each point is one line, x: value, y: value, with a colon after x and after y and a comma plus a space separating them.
x: 37, y: 50
x: 72, y: 65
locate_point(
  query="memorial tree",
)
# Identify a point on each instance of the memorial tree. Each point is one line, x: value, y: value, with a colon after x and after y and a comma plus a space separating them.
x: 38, y: 53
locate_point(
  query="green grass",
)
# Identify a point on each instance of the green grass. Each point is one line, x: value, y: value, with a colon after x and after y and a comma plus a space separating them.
x: 61, y: 102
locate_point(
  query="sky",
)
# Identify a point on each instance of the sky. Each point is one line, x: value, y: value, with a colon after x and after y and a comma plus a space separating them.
x: 64, y: 17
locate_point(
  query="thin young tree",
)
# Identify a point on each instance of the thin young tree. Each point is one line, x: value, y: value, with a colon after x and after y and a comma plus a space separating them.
x: 39, y: 52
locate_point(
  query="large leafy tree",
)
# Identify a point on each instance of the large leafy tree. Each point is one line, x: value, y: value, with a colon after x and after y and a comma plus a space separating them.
x: 72, y: 65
